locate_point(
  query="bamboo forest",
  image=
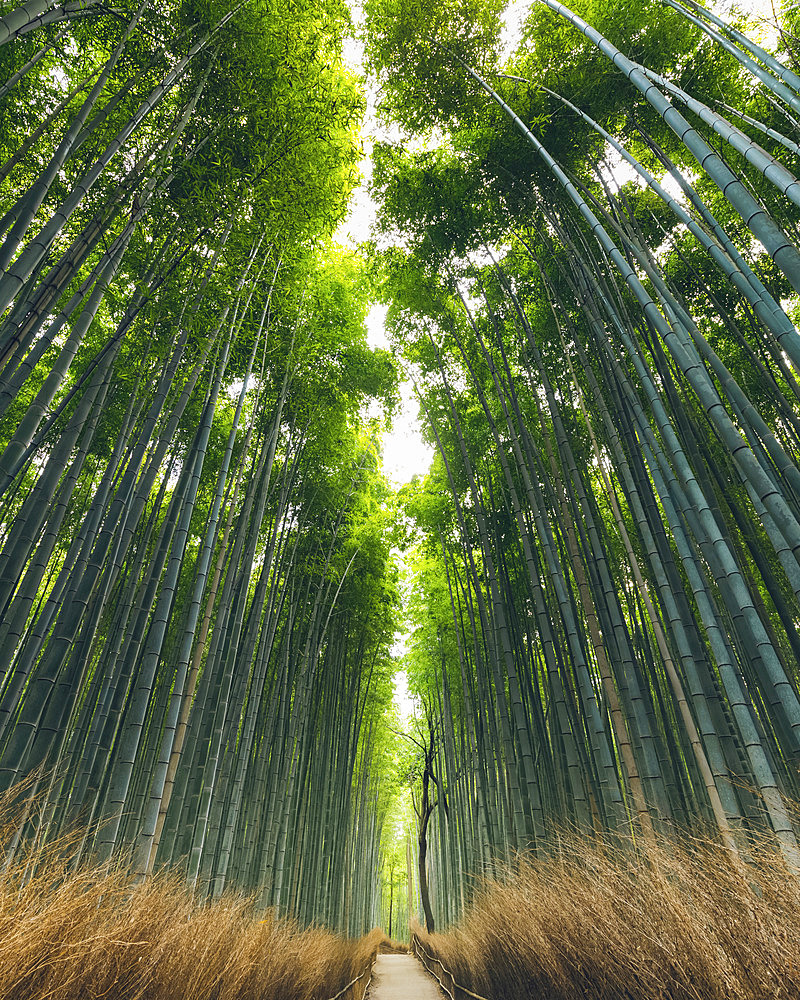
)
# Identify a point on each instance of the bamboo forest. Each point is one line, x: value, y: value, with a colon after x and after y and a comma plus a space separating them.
x: 399, y: 499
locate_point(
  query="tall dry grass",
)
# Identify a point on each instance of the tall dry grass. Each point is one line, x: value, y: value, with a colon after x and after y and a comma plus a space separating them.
x: 83, y: 935
x: 389, y: 946
x: 598, y: 923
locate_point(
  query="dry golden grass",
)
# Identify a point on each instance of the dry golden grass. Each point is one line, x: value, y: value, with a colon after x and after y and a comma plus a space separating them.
x: 95, y: 933
x: 601, y: 924
x: 389, y: 946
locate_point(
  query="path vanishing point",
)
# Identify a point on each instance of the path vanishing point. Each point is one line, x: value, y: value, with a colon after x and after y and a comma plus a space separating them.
x: 401, y: 977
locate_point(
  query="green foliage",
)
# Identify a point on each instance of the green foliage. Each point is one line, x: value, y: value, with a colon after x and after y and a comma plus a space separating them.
x: 412, y: 48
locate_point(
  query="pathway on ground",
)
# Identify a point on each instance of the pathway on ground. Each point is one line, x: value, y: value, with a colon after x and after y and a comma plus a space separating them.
x: 401, y: 977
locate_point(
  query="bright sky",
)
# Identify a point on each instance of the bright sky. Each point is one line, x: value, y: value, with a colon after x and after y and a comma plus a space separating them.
x: 405, y: 454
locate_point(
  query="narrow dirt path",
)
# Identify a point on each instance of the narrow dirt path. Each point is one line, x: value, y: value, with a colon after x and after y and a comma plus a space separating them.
x: 401, y: 977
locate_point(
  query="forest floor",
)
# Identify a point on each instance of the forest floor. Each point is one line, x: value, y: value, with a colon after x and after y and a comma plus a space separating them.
x: 401, y: 977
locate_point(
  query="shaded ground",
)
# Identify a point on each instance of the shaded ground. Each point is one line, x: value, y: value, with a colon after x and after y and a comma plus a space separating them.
x: 401, y: 977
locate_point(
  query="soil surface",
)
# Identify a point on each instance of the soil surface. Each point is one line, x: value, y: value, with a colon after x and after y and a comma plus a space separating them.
x: 401, y: 977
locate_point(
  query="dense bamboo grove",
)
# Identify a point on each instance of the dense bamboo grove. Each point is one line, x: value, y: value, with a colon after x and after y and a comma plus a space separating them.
x: 593, y: 282
x: 194, y: 565
x: 592, y: 271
